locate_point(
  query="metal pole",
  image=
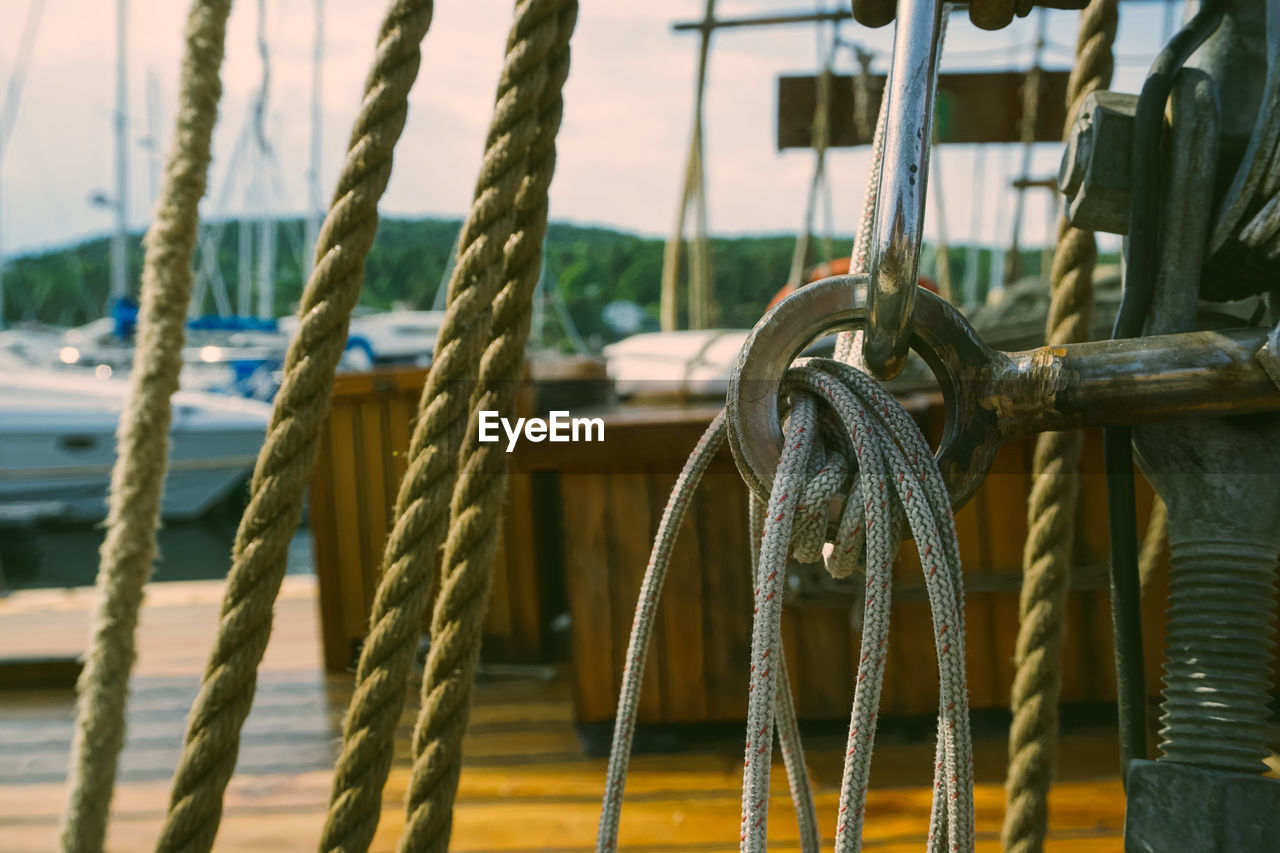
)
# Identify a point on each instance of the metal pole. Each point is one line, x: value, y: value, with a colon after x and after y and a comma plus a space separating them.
x: 9, y: 111
x: 266, y: 224
x: 2, y: 324
x: 153, y: 133
x: 1031, y: 99
x: 244, y: 289
x: 119, y: 257
x: 316, y: 213
x: 708, y: 24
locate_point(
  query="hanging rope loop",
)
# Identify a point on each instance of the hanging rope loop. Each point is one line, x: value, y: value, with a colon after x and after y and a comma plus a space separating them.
x: 899, y: 488
x: 842, y: 432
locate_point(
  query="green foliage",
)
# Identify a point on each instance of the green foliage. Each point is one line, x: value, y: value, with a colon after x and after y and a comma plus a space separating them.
x: 592, y: 267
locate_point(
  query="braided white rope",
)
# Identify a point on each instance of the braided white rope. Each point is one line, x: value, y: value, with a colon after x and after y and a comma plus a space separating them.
x: 788, y: 724
x: 801, y: 433
x: 638, y: 648
x: 896, y: 469
x: 897, y: 478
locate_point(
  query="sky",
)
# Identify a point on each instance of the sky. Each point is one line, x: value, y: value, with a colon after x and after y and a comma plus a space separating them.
x: 621, y: 149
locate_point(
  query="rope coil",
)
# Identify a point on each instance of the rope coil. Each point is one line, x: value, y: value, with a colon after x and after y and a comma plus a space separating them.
x: 898, y: 487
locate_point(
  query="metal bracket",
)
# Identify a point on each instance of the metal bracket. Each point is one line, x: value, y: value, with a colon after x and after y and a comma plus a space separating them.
x: 990, y: 396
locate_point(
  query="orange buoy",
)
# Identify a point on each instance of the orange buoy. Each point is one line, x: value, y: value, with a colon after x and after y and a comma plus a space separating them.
x: 837, y: 266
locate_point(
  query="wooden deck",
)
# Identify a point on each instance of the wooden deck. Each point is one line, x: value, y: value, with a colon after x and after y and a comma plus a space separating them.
x: 527, y: 784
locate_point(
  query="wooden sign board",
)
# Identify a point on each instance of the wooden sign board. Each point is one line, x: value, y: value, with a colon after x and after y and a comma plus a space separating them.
x: 970, y: 108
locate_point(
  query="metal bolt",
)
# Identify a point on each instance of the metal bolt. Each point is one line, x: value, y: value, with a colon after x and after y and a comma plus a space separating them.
x: 1095, y: 166
x: 1221, y: 481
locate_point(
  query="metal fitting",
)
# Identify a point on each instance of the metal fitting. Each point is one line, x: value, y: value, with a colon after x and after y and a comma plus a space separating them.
x: 1095, y: 171
x: 1269, y: 355
x: 1192, y: 810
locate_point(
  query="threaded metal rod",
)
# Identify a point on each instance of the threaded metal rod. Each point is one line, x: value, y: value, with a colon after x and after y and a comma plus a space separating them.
x: 1218, y: 655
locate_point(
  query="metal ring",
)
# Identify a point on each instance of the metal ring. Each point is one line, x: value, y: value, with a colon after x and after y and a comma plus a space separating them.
x: 939, y: 333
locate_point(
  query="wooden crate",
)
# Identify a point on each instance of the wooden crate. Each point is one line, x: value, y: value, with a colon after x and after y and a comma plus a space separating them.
x: 359, y: 466
x: 611, y: 499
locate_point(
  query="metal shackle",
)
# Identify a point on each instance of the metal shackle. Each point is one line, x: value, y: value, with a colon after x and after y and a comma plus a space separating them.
x: 904, y: 175
x: 992, y: 397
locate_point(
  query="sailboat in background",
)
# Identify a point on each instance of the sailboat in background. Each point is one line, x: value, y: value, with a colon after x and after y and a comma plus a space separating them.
x: 58, y: 426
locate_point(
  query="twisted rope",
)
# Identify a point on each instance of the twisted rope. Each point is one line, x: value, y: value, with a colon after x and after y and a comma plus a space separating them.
x: 285, y: 462
x: 1051, y: 506
x: 693, y: 192
x: 542, y: 28
x: 422, y: 508
x: 137, y: 479
x: 1154, y: 542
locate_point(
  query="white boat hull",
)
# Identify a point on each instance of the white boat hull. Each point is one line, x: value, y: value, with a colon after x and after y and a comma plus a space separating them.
x: 58, y: 446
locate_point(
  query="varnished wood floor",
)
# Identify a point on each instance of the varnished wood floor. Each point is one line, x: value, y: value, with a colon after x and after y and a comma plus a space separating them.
x: 527, y: 784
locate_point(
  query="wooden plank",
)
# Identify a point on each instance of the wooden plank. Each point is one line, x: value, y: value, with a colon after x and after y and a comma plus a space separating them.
x: 324, y: 554
x: 525, y: 784
x: 372, y: 504
x: 912, y: 653
x: 726, y: 595
x: 39, y: 672
x: 684, y: 680
x: 498, y: 631
x: 592, y: 631
x: 1003, y: 504
x: 972, y: 107
x: 523, y: 571
x: 400, y: 414
x: 820, y: 651
x: 348, y: 536
x: 630, y: 533
x: 985, y: 690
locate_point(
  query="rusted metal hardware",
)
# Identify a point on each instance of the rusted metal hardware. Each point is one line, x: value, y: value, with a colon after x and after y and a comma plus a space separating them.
x: 1246, y: 233
x: 1220, y: 479
x: 1172, y: 807
x: 985, y: 14
x: 1269, y: 355
x: 1095, y: 169
x: 895, y: 243
x: 992, y: 397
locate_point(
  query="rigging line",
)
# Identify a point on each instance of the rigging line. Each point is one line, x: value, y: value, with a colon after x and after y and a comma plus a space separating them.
x: 18, y: 79
x: 277, y: 201
x: 260, y: 99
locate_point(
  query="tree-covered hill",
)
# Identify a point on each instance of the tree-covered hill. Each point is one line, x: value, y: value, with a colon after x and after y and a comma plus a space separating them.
x: 593, y: 267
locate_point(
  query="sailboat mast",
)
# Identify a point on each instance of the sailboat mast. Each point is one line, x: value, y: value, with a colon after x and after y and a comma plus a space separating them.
x: 266, y: 224
x: 9, y: 110
x: 119, y: 258
x: 316, y: 206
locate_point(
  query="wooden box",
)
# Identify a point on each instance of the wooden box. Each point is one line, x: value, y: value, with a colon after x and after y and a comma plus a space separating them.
x: 612, y: 498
